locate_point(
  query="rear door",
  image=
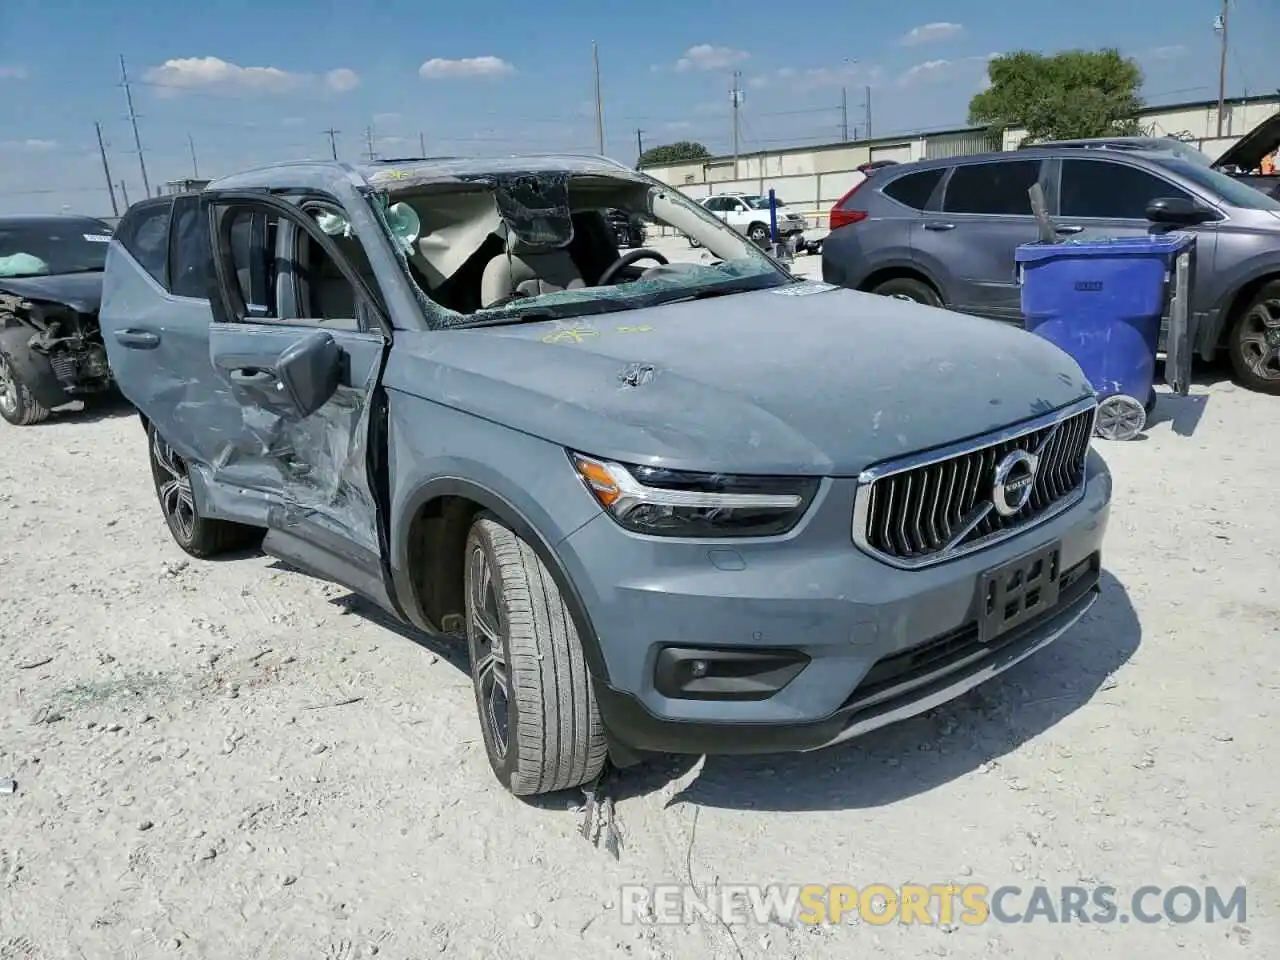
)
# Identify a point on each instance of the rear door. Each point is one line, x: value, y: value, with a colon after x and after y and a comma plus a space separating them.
x: 316, y: 467
x: 985, y: 215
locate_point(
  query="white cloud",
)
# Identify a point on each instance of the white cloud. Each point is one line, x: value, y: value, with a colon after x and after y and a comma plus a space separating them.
x: 926, y: 72
x: 342, y: 80
x: 440, y: 69
x: 31, y: 145
x: 932, y: 33
x: 1165, y: 53
x: 851, y: 73
x: 704, y: 56
x: 12, y: 73
x: 212, y: 74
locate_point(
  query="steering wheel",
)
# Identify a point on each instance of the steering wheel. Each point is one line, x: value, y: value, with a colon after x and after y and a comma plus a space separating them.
x: 626, y: 260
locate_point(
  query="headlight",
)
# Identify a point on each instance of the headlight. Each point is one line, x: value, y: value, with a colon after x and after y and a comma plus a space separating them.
x: 675, y: 503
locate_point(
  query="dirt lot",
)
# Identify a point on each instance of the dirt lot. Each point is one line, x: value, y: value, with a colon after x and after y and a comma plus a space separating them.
x: 229, y: 760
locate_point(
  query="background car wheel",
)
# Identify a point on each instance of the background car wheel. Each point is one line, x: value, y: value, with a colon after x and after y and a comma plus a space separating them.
x: 694, y: 243
x: 758, y: 234
x: 17, y: 406
x: 538, y: 713
x: 1254, y: 343
x: 911, y: 289
x: 199, y: 536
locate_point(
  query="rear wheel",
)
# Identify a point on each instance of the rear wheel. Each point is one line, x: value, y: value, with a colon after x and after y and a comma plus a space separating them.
x: 199, y: 536
x: 17, y: 405
x: 538, y: 713
x: 1254, y: 343
x: 908, y: 288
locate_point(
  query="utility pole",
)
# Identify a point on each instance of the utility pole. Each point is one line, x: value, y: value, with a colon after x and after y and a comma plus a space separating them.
x: 422, y: 144
x: 124, y: 193
x: 844, y: 115
x: 736, y: 96
x: 639, y: 146
x: 595, y: 63
x: 333, y: 140
x: 195, y: 164
x: 867, y: 122
x: 1222, y: 64
x: 106, y: 169
x: 368, y: 139
x: 133, y: 119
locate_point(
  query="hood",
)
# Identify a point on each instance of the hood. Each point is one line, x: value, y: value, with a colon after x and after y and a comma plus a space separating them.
x: 82, y: 292
x: 1253, y: 146
x: 802, y: 379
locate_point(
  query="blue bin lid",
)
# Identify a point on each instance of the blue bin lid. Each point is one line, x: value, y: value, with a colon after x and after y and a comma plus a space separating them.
x: 1160, y: 245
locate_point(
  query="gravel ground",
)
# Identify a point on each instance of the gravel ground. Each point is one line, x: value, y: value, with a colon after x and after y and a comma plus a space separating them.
x: 230, y: 760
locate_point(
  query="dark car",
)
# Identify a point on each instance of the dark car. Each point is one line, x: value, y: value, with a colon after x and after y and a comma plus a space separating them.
x: 51, y: 351
x: 943, y: 232
x: 627, y: 228
x: 1241, y: 162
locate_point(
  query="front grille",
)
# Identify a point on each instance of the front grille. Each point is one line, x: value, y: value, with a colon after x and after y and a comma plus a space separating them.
x: 938, y: 506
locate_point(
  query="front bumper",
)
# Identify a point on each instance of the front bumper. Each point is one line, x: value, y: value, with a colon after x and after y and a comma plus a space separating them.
x: 880, y: 644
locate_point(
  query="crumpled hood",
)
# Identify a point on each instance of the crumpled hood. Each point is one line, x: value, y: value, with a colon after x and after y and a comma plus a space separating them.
x: 803, y: 379
x: 81, y: 292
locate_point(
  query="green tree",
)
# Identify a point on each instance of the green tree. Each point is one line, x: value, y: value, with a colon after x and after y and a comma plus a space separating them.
x: 1077, y: 93
x: 680, y: 152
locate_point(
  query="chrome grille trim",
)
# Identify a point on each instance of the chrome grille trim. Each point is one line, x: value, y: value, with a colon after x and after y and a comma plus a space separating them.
x: 941, y: 509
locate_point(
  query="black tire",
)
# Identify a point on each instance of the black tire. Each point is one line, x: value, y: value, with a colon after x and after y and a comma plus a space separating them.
x: 911, y: 289
x: 758, y: 233
x: 537, y: 708
x: 199, y: 536
x: 1254, y: 342
x: 17, y: 405
x: 693, y: 243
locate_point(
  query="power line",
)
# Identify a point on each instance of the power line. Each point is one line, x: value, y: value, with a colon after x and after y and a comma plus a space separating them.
x: 133, y: 119
x: 333, y: 141
x: 1222, y: 63
x: 195, y: 164
x: 372, y: 154
x: 595, y: 61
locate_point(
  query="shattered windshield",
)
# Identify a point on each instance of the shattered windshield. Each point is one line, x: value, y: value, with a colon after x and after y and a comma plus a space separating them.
x: 541, y: 245
x: 39, y: 248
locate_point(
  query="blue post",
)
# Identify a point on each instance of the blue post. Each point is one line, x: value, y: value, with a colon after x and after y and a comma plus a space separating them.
x: 773, y: 216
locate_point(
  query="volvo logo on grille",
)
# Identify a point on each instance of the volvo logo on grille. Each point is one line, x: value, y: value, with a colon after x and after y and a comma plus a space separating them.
x: 1015, y: 479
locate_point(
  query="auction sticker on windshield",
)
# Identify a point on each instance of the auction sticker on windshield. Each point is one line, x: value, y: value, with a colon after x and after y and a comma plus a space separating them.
x: 803, y: 289
x: 98, y: 237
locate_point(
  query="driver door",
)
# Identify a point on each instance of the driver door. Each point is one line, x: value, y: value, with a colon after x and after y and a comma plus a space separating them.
x: 302, y: 357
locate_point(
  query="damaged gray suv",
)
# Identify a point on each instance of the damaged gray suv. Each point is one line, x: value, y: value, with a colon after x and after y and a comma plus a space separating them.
x: 699, y: 507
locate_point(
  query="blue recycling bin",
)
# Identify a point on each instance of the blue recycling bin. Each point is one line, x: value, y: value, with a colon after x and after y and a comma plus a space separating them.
x: 1102, y: 302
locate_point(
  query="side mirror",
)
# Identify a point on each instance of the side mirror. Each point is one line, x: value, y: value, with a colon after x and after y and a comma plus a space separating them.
x: 1179, y: 211
x: 308, y: 372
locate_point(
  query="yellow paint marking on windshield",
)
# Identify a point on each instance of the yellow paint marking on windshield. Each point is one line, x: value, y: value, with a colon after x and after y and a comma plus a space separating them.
x: 571, y: 335
x: 639, y: 328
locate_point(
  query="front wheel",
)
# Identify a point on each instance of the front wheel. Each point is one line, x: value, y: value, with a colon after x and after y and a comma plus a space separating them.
x: 538, y: 712
x: 17, y: 405
x: 199, y: 536
x: 1254, y: 343
x: 758, y: 234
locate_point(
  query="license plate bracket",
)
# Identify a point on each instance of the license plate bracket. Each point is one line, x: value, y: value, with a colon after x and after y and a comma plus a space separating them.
x: 1017, y: 591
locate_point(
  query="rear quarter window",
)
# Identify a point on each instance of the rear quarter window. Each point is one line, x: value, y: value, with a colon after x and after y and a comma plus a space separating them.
x: 915, y: 189
x: 144, y: 232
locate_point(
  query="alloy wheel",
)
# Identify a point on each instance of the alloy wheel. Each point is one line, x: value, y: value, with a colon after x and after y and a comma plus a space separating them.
x: 8, y: 387
x: 176, y: 499
x: 488, y: 650
x: 1259, y: 339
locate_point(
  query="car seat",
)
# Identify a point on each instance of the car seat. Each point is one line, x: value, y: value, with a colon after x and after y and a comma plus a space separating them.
x: 529, y: 270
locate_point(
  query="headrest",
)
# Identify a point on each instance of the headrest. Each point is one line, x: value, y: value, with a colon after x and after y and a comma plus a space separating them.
x: 519, y: 247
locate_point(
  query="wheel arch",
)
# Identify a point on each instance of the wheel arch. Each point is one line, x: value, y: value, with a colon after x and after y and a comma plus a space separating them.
x: 34, y: 369
x: 1233, y: 304
x: 427, y: 565
x: 901, y: 271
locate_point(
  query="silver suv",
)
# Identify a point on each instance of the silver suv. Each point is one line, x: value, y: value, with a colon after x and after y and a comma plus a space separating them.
x: 683, y: 507
x: 943, y: 232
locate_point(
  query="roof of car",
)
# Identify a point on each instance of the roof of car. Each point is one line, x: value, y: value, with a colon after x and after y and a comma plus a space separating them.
x: 409, y: 172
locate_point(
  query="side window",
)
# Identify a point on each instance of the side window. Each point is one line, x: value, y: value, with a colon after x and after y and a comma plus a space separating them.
x: 715, y: 204
x: 190, y: 268
x: 999, y: 187
x: 297, y: 282
x: 1100, y: 188
x: 145, y: 234
x: 915, y: 189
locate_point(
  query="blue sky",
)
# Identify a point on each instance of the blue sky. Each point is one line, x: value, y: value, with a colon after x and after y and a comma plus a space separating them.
x: 249, y: 83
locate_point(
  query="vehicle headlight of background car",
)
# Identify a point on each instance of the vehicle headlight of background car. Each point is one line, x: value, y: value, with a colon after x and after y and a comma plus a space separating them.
x: 676, y: 503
